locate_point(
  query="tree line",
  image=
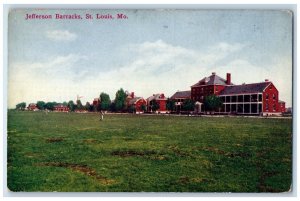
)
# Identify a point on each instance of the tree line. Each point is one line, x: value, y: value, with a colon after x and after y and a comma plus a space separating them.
x: 211, y: 103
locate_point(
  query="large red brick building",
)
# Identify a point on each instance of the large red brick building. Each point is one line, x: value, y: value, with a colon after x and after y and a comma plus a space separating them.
x: 209, y: 86
x: 179, y: 97
x: 247, y: 99
x: 160, y: 99
x: 138, y: 103
x: 135, y: 104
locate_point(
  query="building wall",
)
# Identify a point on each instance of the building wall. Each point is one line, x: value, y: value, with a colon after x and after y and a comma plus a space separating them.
x: 162, y: 105
x: 199, y: 93
x: 32, y: 107
x: 282, y: 107
x: 139, y: 104
x: 270, y: 100
x: 218, y: 89
x: 178, y: 102
x: 61, y: 109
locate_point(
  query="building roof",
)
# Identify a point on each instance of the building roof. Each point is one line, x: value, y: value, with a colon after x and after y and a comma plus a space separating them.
x: 134, y: 100
x: 245, y: 88
x: 211, y: 80
x: 157, y: 97
x: 181, y: 94
x: 280, y: 101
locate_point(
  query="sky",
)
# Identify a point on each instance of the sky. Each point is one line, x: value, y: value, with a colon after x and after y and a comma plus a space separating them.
x: 151, y: 51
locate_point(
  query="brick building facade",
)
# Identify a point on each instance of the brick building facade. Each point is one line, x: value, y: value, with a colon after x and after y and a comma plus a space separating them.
x: 160, y: 99
x: 61, y: 108
x: 247, y: 99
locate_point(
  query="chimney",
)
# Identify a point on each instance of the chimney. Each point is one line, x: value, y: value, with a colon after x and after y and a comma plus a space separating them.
x: 213, y: 73
x: 132, y: 94
x: 228, y: 78
x: 266, y: 80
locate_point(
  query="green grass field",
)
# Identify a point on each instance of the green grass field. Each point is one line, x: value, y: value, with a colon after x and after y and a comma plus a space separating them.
x: 133, y: 153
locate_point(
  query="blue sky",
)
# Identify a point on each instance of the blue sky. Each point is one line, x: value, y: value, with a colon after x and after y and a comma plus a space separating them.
x: 152, y: 51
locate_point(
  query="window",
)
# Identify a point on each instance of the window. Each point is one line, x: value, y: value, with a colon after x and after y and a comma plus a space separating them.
x: 240, y: 98
x: 254, y: 98
x: 267, y: 96
x: 259, y: 97
x: 267, y: 106
x: 274, y: 97
x: 233, y: 99
x: 274, y: 107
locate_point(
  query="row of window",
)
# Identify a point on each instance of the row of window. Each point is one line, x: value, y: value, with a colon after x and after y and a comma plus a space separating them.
x: 203, y: 90
x: 241, y: 98
x: 242, y: 108
x: 273, y: 96
x: 273, y: 107
x: 247, y: 108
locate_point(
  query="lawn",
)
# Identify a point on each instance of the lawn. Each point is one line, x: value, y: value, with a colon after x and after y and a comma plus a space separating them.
x: 69, y: 152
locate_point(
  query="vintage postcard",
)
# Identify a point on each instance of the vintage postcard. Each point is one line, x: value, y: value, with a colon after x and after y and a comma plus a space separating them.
x: 149, y: 100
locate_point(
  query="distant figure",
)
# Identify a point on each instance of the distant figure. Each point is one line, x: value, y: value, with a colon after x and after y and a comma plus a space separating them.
x: 102, y: 115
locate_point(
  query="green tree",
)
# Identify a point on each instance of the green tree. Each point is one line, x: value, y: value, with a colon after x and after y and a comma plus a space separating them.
x: 41, y: 105
x: 71, y: 105
x: 50, y: 105
x: 65, y: 103
x: 120, y: 100
x: 170, y: 104
x: 105, y: 101
x: 87, y: 106
x: 131, y: 109
x: 212, y: 103
x: 79, y: 105
x: 188, y: 105
x: 112, y: 107
x: 91, y: 109
x: 21, y: 106
x: 154, y: 105
x: 143, y: 108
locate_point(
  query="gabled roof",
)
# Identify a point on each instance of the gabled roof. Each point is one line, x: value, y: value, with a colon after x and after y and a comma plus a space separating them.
x: 211, y: 80
x: 181, y: 94
x: 156, y: 97
x: 134, y: 100
x: 280, y: 101
x: 245, y: 88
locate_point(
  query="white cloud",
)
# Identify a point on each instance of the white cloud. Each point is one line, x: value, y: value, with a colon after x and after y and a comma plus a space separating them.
x: 242, y: 71
x: 154, y: 67
x: 161, y: 67
x: 51, y: 80
x: 61, y: 35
